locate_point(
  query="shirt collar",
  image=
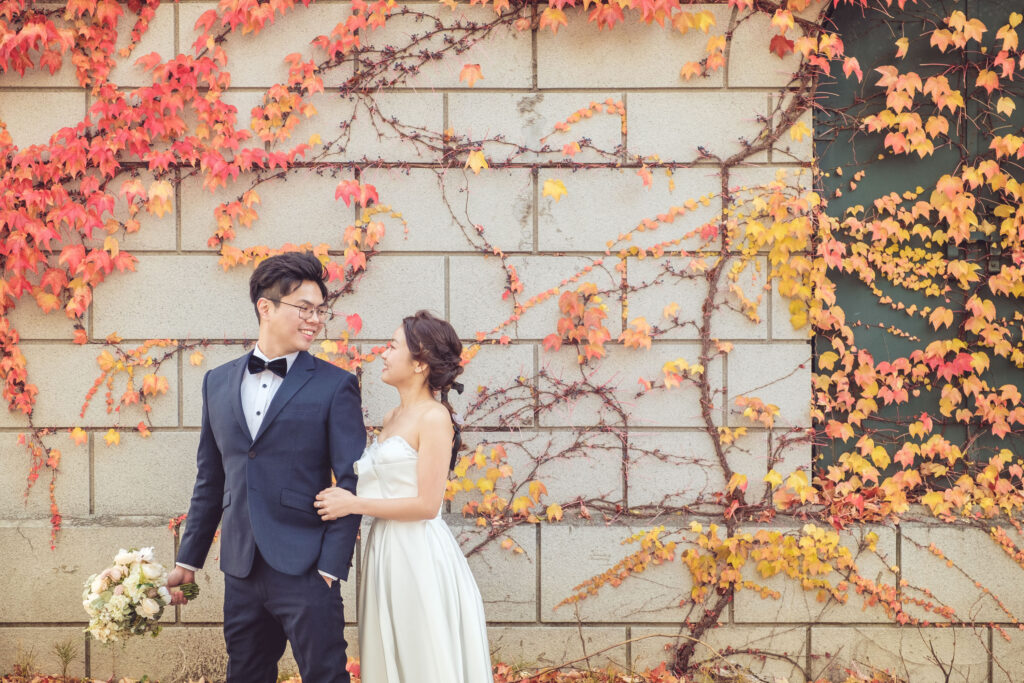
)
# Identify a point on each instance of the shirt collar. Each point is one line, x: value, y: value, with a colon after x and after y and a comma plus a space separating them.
x: 290, y: 358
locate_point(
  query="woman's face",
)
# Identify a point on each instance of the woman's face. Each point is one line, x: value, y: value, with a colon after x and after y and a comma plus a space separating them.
x: 399, y: 367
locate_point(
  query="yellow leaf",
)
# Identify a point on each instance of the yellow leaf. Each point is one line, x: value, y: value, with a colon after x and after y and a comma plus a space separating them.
x: 1005, y: 106
x: 1015, y: 19
x: 737, y: 480
x: 773, y: 478
x: 314, y: 140
x: 670, y: 311
x: 110, y: 245
x: 476, y: 161
x: 554, y: 512
x: 903, y: 43
x: 799, y: 131
x: 196, y: 358
x: 79, y: 436
x: 112, y: 437
x: 554, y: 189
x: 880, y: 457
x: 941, y: 316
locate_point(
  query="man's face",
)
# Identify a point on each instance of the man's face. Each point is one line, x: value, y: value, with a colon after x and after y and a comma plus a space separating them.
x: 286, y: 331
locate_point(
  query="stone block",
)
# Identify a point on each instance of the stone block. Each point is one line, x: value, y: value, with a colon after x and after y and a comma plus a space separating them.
x: 796, y: 605
x: 47, y: 584
x: 207, y: 303
x: 146, y: 476
x: 515, y: 125
x: 620, y: 371
x: 20, y: 645
x: 333, y: 120
x: 552, y: 646
x: 573, y: 554
x: 373, y: 137
x: 299, y: 209
x: 981, y: 572
x: 602, y: 204
x: 1007, y: 664
x: 257, y: 59
x: 33, y: 116
x: 670, y: 279
x: 929, y: 655
x: 681, y: 468
x: 730, y: 650
x: 778, y: 374
x: 507, y: 579
x: 786, y: 149
x: 40, y: 77
x: 155, y: 232
x: 751, y: 64
x: 455, y: 211
x: 719, y: 122
x: 392, y: 287
x: 477, y: 284
x: 31, y: 323
x: 176, y: 656
x: 504, y: 55
x: 572, y: 465
x: 492, y: 369
x: 64, y: 374
x: 159, y: 38
x: 583, y: 56
x: 71, y: 492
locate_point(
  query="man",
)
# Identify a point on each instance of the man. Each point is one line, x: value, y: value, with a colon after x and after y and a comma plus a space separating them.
x: 276, y: 422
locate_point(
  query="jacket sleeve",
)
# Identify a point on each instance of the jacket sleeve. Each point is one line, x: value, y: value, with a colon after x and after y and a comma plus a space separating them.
x: 347, y: 439
x: 204, y: 511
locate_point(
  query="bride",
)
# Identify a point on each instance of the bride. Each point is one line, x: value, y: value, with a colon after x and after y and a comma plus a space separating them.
x: 421, y: 619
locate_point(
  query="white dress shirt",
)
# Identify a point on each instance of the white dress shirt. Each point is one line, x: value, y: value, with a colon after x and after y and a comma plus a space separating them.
x: 258, y: 391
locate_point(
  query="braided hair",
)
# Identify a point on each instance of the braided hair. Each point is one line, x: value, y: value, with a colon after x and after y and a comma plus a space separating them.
x: 434, y: 342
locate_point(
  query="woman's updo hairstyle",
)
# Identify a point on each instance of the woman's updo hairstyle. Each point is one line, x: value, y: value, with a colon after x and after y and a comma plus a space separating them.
x: 433, y: 342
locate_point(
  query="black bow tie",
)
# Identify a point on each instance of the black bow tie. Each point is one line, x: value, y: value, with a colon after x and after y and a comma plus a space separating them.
x: 279, y: 367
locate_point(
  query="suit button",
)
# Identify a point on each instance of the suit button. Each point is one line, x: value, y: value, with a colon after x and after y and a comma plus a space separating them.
x: 252, y: 454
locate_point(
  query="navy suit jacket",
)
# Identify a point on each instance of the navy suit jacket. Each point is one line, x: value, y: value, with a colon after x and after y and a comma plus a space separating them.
x: 261, y: 490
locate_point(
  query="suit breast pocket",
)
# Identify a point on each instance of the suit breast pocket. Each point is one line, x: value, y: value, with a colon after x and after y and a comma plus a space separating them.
x: 299, y: 501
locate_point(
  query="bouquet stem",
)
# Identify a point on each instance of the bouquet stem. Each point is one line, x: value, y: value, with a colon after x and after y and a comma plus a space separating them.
x: 191, y: 590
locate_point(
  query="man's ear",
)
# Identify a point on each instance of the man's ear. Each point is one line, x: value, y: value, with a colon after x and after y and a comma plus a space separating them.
x: 263, y: 306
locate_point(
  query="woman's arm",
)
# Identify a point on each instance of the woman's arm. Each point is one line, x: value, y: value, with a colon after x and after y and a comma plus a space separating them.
x: 434, y: 453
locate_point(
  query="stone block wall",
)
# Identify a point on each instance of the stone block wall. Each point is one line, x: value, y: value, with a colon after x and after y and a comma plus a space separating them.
x: 118, y: 496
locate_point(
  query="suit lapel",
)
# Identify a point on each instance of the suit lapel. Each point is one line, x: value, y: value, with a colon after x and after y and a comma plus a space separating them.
x: 235, y: 389
x: 298, y: 375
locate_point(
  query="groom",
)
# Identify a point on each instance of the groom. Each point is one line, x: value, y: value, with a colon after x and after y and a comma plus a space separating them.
x: 276, y: 422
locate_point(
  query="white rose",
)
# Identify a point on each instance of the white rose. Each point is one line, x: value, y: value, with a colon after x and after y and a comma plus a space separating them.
x: 115, y: 573
x: 148, y: 607
x: 145, y: 555
x: 152, y: 571
x: 124, y: 557
x: 99, y: 584
x: 165, y: 595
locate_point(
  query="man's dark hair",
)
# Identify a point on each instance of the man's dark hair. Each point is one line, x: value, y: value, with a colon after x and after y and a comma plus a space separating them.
x: 279, y: 276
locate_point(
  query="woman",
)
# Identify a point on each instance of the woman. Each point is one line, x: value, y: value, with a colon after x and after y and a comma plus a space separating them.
x: 421, y: 619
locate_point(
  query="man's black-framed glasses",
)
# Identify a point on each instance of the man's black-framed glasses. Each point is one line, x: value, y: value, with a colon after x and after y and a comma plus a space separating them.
x: 323, y: 313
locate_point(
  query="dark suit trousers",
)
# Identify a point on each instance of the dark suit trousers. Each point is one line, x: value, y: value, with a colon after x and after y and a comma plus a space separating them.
x: 267, y: 608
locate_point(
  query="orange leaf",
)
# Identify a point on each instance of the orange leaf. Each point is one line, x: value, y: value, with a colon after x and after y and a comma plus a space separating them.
x: 470, y: 74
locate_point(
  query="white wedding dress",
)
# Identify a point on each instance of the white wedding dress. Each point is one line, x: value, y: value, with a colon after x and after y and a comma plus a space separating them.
x: 421, y: 619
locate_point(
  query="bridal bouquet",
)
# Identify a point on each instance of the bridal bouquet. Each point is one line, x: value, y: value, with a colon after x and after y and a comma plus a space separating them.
x: 127, y: 598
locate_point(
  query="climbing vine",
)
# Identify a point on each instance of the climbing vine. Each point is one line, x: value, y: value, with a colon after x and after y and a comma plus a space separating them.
x: 914, y: 418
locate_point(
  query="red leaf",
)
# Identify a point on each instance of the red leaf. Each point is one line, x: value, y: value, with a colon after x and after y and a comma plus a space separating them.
x: 781, y: 45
